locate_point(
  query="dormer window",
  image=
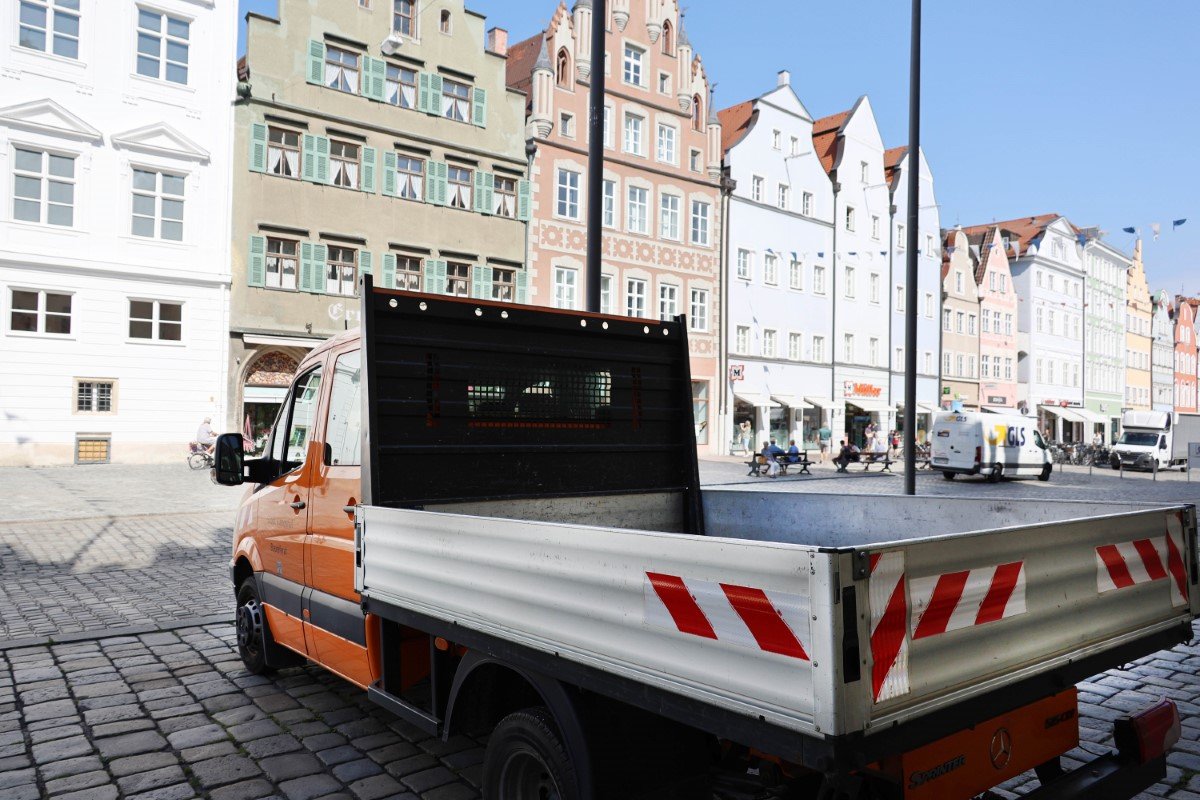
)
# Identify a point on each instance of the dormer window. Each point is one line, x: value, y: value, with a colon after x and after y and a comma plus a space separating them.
x: 563, y: 68
x: 697, y: 114
x: 444, y: 22
x: 668, y: 40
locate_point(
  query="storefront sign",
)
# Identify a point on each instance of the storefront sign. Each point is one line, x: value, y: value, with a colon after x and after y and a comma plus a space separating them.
x: 737, y: 372
x: 945, y: 390
x: 996, y: 400
x: 852, y: 389
x: 338, y: 311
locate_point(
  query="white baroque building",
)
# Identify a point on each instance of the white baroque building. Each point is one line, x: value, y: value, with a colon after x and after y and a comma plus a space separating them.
x: 115, y: 131
x: 779, y: 320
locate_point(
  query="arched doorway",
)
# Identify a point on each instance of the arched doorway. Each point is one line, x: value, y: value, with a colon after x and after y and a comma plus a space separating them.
x: 263, y: 390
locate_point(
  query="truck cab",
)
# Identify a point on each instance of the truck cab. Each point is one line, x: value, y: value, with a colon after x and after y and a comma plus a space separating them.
x: 1146, y: 441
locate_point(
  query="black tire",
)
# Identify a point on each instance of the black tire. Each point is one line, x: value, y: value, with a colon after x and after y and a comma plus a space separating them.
x: 948, y: 475
x: 526, y: 759
x: 1114, y: 462
x: 251, y: 626
x: 1044, y: 475
x: 997, y: 473
x: 198, y: 461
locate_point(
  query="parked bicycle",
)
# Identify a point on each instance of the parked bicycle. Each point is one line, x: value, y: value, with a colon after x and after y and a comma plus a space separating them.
x: 199, y: 456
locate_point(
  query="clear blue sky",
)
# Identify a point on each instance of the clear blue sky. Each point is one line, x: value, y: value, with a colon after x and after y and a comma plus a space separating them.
x: 1089, y: 108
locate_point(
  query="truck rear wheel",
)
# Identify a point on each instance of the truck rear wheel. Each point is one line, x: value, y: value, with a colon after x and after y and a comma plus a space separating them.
x: 526, y: 759
x: 948, y: 476
x: 997, y: 473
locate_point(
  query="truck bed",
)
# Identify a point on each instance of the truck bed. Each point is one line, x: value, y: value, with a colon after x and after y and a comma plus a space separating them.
x: 826, y: 616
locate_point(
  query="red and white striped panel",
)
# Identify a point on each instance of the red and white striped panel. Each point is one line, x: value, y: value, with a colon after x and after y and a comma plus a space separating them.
x: 1159, y: 558
x: 770, y: 621
x: 889, y: 625
x: 944, y: 603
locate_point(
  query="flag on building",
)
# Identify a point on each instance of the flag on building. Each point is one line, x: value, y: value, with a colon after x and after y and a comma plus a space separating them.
x: 1177, y: 223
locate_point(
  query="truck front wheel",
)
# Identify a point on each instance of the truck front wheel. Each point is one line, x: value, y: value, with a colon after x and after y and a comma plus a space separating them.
x: 526, y: 759
x: 251, y: 629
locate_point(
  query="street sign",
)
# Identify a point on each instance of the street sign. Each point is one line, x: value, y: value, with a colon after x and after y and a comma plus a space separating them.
x: 1193, y: 455
x: 737, y: 372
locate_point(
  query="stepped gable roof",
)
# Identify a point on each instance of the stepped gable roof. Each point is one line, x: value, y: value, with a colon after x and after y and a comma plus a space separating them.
x: 735, y: 123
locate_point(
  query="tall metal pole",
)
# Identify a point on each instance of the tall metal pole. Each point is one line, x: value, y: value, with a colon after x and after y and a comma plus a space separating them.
x: 595, y: 182
x: 910, y: 285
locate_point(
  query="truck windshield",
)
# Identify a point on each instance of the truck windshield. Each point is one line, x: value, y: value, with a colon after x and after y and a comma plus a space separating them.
x: 1138, y: 439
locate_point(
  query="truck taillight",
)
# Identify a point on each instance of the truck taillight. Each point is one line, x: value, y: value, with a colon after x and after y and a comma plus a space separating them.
x: 1149, y: 733
x: 978, y: 454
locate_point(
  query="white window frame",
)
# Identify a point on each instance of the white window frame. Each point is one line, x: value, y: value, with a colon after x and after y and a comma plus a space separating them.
x: 634, y: 141
x: 40, y: 313
x: 635, y: 301
x: 156, y: 322
x: 632, y: 206
x: 742, y: 339
x: 609, y: 215
x: 160, y: 199
x: 667, y: 144
x: 633, y: 65
x: 44, y: 180
x: 701, y: 223
x: 785, y: 196
x: 796, y: 274
x: 745, y: 264
x: 819, y: 279
x: 770, y: 343
x: 668, y: 301
x: 566, y: 287
x: 698, y: 307
x: 806, y: 201
x: 756, y: 188
x: 50, y: 33
x: 795, y: 346
x: 567, y: 184
x: 818, y: 347
x: 166, y: 39
x: 669, y: 213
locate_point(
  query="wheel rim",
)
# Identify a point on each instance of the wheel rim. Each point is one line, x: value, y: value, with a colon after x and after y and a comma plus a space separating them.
x: 249, y: 628
x: 526, y: 777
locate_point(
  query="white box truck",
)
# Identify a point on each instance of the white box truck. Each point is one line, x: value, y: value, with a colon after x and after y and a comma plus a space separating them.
x: 1155, y: 440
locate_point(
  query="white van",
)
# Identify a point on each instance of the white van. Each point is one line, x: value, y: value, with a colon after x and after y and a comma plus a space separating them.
x: 995, y: 445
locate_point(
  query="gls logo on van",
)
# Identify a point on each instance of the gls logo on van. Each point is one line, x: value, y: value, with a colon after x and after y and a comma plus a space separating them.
x: 1009, y: 436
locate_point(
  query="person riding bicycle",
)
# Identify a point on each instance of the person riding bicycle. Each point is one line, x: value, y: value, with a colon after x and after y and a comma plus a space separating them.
x: 206, y: 436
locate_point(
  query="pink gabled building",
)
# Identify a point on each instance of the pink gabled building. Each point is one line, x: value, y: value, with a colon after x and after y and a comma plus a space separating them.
x: 662, y: 173
x: 997, y: 315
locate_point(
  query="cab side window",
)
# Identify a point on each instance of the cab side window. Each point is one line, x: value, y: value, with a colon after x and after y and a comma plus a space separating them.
x: 302, y: 418
x: 1038, y: 440
x: 345, y: 412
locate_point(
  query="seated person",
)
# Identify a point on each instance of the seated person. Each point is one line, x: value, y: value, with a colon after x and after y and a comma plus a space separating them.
x: 769, y: 452
x: 878, y: 446
x: 846, y: 455
x: 793, y: 452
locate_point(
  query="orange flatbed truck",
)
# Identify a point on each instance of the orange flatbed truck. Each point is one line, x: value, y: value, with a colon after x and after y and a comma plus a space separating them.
x: 489, y: 517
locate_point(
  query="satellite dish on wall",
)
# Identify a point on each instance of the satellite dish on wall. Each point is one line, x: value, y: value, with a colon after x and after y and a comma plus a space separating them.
x: 391, y: 44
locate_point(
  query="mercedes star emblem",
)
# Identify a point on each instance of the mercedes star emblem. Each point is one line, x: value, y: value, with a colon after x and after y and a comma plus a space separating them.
x: 1001, y: 748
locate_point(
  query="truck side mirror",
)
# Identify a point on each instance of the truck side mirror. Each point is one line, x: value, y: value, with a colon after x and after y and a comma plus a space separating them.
x: 1162, y: 443
x: 229, y: 460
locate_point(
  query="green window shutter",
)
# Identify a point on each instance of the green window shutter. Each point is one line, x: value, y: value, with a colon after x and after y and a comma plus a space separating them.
x: 431, y: 173
x: 430, y: 283
x: 489, y: 193
x: 477, y: 191
x: 256, y: 264
x: 258, y: 147
x: 477, y: 285
x: 316, y: 62
x: 523, y: 201
x: 364, y: 262
x: 364, y: 76
x: 435, y: 95
x: 322, y: 175
x: 388, y: 279
x: 320, y: 264
x: 423, y: 91
x: 379, y: 79
x: 370, y: 157
x: 389, y: 173
x: 479, y: 108
x: 308, y: 158
x: 440, y: 276
x: 522, y: 277
x: 306, y: 266
x: 443, y: 184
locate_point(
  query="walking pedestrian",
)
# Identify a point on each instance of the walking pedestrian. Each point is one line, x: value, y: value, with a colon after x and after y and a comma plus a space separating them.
x: 824, y: 437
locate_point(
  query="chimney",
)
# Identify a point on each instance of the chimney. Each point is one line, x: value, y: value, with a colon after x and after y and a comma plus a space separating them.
x: 785, y: 78
x: 497, y: 41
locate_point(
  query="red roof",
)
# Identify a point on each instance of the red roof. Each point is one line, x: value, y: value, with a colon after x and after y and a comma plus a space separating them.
x: 1024, y: 229
x: 891, y: 162
x: 825, y: 133
x: 735, y: 123
x: 521, y: 58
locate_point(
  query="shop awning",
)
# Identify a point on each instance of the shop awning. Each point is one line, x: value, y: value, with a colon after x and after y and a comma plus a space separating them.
x: 1066, y: 414
x: 922, y: 408
x: 1092, y: 417
x: 819, y: 402
x: 264, y: 394
x: 999, y: 410
x: 871, y: 406
x: 791, y: 401
x: 756, y: 400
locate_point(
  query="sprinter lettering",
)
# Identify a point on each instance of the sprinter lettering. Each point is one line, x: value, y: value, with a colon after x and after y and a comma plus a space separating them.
x: 924, y: 776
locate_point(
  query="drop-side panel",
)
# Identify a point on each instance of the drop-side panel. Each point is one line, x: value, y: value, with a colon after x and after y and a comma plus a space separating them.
x: 723, y: 621
x: 952, y: 619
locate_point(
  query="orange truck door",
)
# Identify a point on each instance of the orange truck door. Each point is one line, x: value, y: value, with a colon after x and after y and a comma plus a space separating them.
x: 337, y: 625
x: 282, y: 516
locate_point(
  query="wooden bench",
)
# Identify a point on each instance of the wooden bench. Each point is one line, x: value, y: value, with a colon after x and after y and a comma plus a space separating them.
x: 867, y: 459
x: 758, y: 467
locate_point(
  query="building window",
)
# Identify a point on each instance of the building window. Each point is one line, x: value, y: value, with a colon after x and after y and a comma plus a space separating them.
x: 401, y: 86
x: 664, y: 83
x: 456, y: 101
x: 971, y: 324
x: 850, y: 219
x: 94, y: 397
x: 818, y: 349
x: 700, y: 212
x: 162, y: 46
x: 341, y: 69
x: 666, y: 144
x: 745, y: 265
x: 698, y: 320
x: 818, y: 279
x: 697, y: 113
x: 768, y: 343
x: 637, y: 209
x: 158, y: 205
x: 873, y: 287
x: 635, y: 297
x: 796, y: 275
x: 756, y: 188
x: 875, y: 228
x: 633, y: 71
x: 154, y: 319
x: 873, y: 351
x: 795, y: 146
x: 1008, y: 325
x: 404, y: 17
x: 51, y: 26
x: 776, y: 140
x: 668, y: 40
x: 930, y: 250
x: 985, y: 320
x: 504, y: 196
x: 444, y: 22
x: 459, y: 181
x: 806, y: 201
x: 608, y: 112
x: 44, y: 187
x: 634, y: 126
x: 743, y: 339
x: 694, y: 160
x: 669, y: 216
x: 784, y: 196
x: 566, y: 124
x: 408, y: 273
x: 568, y: 194
x: 864, y: 172
x: 958, y: 281
x: 606, y: 294
x: 283, y: 152
x: 848, y: 348
x: 899, y: 300
x: 341, y: 272
x: 409, y: 177
x: 928, y: 358
x: 985, y: 366
x: 458, y: 279
x: 610, y: 204
x: 898, y: 363
x: 564, y: 287
x: 343, y: 163
x: 945, y: 319
x: 848, y: 274
x: 37, y: 311
x: 929, y: 307
x: 770, y: 269
x: 958, y: 321
x: 668, y: 302
x: 795, y: 346
x: 281, y: 264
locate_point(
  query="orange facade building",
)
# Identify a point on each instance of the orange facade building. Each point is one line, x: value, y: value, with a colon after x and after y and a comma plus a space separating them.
x: 662, y: 173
